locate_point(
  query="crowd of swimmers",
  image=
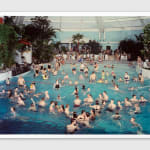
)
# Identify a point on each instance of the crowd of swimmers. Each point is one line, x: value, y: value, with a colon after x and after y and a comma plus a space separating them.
x: 97, y: 106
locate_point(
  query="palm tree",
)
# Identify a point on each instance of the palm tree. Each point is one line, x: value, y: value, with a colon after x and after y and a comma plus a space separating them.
x: 76, y: 39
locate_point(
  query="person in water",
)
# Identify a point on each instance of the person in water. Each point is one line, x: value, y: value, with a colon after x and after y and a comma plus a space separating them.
x: 134, y: 99
x: 21, y: 81
x: 13, y: 111
x: 93, y: 77
x: 33, y: 106
x: 42, y: 102
x: 71, y: 128
x: 127, y: 103
x: 46, y: 95
x: 88, y: 100
x: 57, y: 85
x: 111, y: 106
x: 97, y: 107
x: 126, y: 78
x: 77, y: 102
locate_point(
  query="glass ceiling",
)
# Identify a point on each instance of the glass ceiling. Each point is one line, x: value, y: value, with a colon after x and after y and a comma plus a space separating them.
x: 97, y: 23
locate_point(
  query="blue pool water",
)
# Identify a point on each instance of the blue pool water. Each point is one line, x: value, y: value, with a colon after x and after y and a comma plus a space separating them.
x: 43, y: 122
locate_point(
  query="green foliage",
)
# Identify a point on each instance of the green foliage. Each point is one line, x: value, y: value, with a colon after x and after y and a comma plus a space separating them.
x: 76, y: 39
x: 8, y: 44
x: 94, y: 46
x: 132, y: 47
x: 40, y: 33
x: 146, y: 42
x: 64, y: 49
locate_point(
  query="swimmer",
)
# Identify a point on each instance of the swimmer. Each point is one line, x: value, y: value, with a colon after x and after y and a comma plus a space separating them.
x: 103, y: 75
x: 119, y: 106
x: 71, y: 128
x: 92, y: 114
x: 63, y: 72
x: 76, y: 83
x: 100, y: 98
x: 88, y: 100
x: 49, y: 67
x: 135, y: 79
x: 141, y: 78
x: 106, y: 81
x: 84, y: 119
x: 57, y: 85
x: 97, y: 107
x: 42, y: 102
x: 133, y: 99
x: 126, y: 78
x: 88, y: 90
x: 83, y: 87
x: 13, y: 111
x: 77, y: 102
x: 70, y: 82
x: 105, y: 96
x: 20, y: 102
x: 111, y: 106
x: 46, y: 95
x: 32, y: 87
x: 55, y: 73
x: 113, y: 75
x: 51, y: 107
x: 8, y: 81
x: 22, y: 96
x: 82, y: 67
x: 86, y: 72
x: 117, y: 116
x: 67, y: 112
x: 66, y: 77
x: 59, y: 98
x: 32, y: 106
x: 107, y: 74
x: 75, y: 92
x: 116, y: 87
x: 131, y: 88
x: 21, y: 81
x: 93, y: 77
x: 142, y: 99
x: 127, y: 103
x: 37, y: 95
x: 137, y: 108
x: 61, y: 109
x: 132, y: 120
x: 120, y: 80
x: 45, y: 76
x: 81, y: 77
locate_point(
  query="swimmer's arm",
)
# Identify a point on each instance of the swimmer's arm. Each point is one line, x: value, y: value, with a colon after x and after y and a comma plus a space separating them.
x: 33, y: 101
